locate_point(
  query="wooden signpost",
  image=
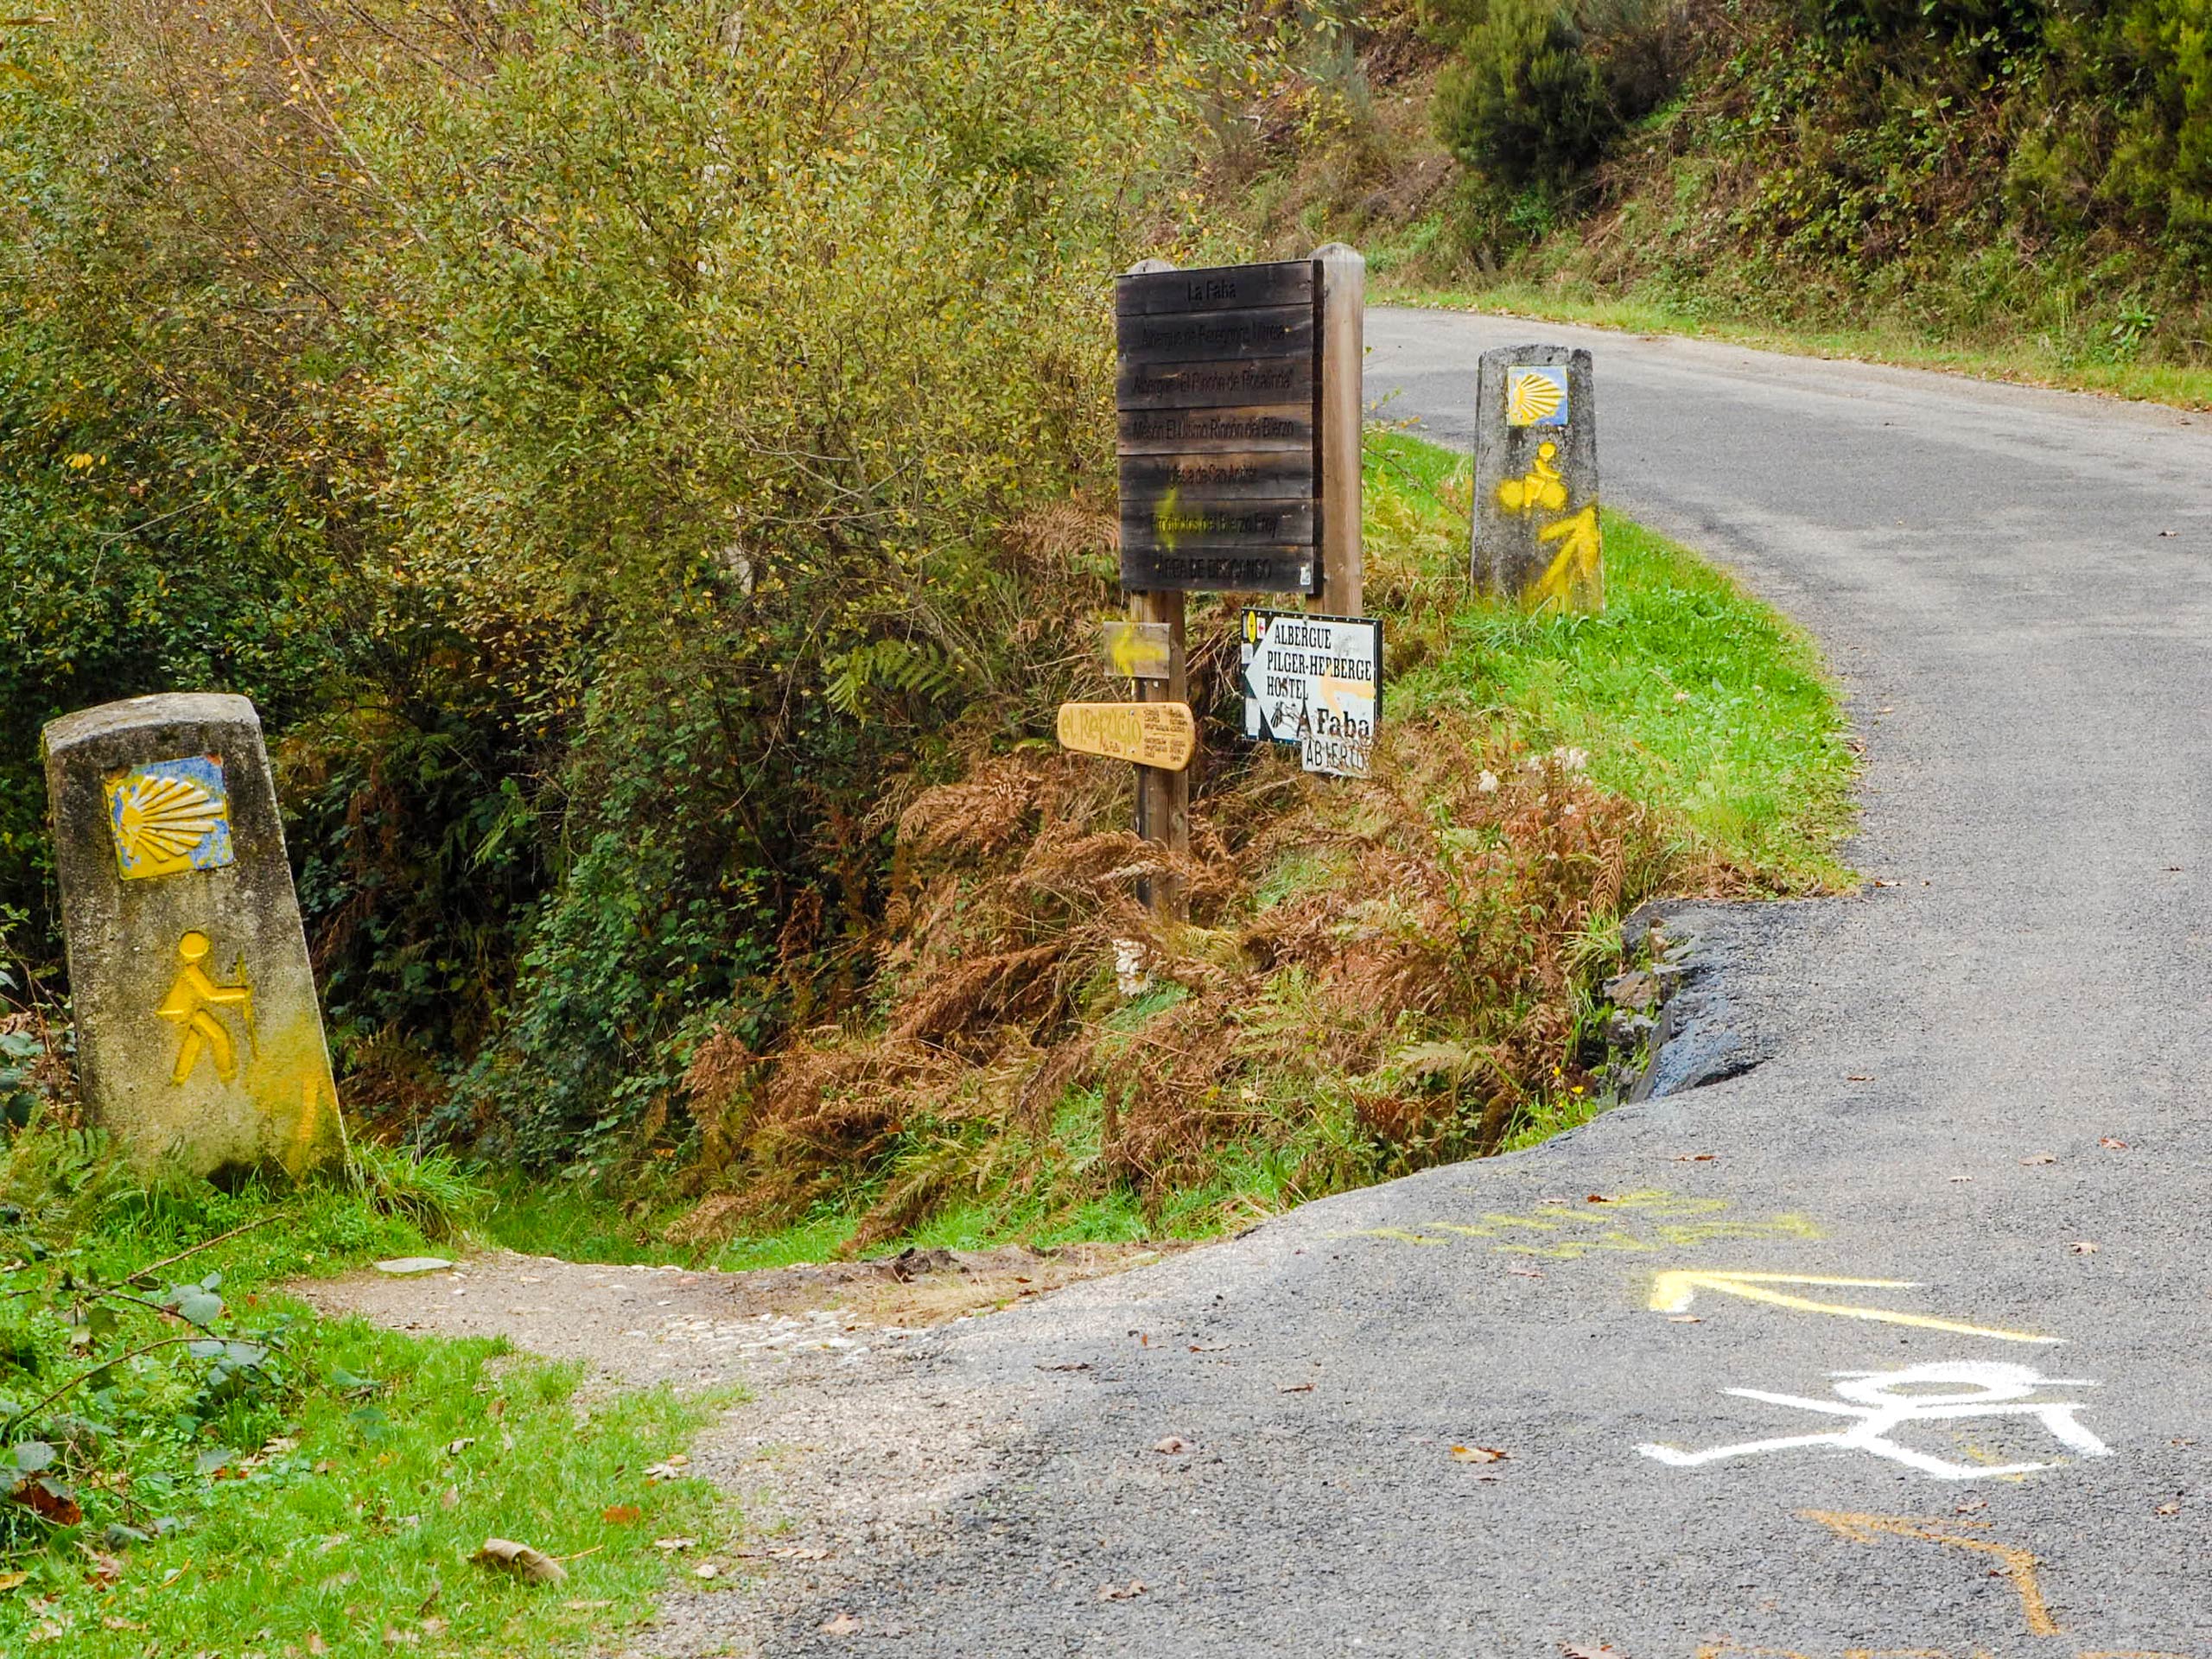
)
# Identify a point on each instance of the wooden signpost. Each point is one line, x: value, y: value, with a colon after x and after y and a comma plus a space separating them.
x: 1238, y: 407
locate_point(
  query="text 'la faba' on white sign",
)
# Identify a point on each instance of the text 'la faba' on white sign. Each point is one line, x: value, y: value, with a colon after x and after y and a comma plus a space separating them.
x: 1317, y: 682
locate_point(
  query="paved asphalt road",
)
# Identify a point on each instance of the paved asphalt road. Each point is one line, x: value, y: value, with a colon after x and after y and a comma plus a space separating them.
x: 2016, y: 587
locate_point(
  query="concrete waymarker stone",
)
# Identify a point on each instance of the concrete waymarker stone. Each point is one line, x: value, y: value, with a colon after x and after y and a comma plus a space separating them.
x: 199, y: 1042
x: 1536, y: 537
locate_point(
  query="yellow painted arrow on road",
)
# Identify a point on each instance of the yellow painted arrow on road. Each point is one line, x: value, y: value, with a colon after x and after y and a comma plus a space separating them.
x: 1673, y: 1293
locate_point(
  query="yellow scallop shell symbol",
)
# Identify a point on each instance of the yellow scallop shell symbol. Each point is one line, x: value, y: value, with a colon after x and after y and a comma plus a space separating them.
x: 1532, y: 396
x: 163, y: 819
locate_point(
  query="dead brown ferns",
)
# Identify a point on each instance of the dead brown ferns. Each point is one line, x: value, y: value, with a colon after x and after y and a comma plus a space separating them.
x: 1377, y: 974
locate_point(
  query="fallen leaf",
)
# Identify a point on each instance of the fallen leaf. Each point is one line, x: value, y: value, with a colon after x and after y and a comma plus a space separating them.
x: 520, y: 1559
x: 800, y: 1553
x: 43, y: 1497
x: 1173, y: 1445
x: 449, y: 1499
x: 1881, y: 882
x: 2163, y: 1508
x: 2113, y: 1143
x: 674, y: 1543
x: 316, y: 1645
x: 843, y: 1624
x: 1576, y: 1650
x: 621, y: 1514
x: 112, y: 1623
x: 586, y: 1606
x: 2040, y: 1158
x: 2082, y: 1247
x: 1599, y: 1197
x: 1527, y: 1273
x: 433, y: 1627
x: 1690, y: 1157
x: 1128, y: 1592
x: 1956, y: 1178
x: 454, y: 1448
x: 1686, y: 1319
x: 705, y: 1570
x: 1859, y: 1077
x: 1293, y: 1388
x: 671, y: 1469
x: 1476, y: 1454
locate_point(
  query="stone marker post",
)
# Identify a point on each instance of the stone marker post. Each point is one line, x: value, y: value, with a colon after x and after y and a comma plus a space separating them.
x: 1536, y: 538
x: 199, y: 1043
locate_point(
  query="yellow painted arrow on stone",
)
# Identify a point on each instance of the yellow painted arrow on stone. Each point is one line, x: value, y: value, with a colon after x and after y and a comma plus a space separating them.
x: 1673, y: 1293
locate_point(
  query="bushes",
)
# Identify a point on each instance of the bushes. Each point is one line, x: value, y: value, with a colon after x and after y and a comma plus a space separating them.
x: 1524, y: 102
x: 1537, y: 88
x: 588, y: 433
x: 1893, y: 154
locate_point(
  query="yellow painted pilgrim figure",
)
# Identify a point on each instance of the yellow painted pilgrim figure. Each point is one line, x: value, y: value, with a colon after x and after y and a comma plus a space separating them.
x: 190, y: 1004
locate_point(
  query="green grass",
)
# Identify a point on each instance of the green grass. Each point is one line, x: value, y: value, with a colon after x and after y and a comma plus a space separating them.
x: 328, y: 1499
x: 1688, y: 694
x: 2033, y: 358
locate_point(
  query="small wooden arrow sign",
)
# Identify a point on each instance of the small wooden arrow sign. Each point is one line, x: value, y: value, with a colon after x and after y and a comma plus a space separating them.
x: 1136, y: 651
x: 1162, y: 734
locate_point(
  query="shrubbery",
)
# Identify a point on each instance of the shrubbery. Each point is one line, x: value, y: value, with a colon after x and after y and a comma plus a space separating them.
x: 589, y: 433
x: 1995, y: 161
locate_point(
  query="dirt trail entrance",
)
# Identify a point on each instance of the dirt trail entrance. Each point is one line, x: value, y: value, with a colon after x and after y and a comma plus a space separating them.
x: 837, y: 1459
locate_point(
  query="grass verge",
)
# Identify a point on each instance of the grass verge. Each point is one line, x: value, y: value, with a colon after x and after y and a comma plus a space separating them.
x: 2034, y: 358
x: 273, y: 1483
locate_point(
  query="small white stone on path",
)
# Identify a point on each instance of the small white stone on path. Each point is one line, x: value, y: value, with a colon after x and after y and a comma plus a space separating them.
x: 403, y: 1265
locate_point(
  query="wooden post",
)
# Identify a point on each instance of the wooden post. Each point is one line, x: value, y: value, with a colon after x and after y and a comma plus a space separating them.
x: 1344, y: 360
x: 1163, y: 797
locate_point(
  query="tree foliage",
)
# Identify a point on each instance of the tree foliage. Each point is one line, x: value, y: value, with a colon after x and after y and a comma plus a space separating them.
x: 588, y: 428
x: 1888, y: 144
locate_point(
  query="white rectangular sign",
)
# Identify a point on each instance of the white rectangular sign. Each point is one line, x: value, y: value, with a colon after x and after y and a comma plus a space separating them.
x: 1317, y: 682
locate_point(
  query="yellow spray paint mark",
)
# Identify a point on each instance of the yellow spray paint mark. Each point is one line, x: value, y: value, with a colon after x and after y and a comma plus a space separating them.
x: 1575, y: 577
x: 310, y: 1115
x: 2017, y: 1564
x: 1542, y: 487
x: 1637, y: 1222
x: 189, y: 1003
x: 1673, y: 1291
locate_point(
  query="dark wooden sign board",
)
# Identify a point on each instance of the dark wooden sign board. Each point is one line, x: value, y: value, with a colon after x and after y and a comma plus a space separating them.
x: 1219, y: 403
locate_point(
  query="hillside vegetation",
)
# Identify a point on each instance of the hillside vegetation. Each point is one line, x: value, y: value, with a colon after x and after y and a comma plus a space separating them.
x: 652, y: 466
x: 2025, y: 184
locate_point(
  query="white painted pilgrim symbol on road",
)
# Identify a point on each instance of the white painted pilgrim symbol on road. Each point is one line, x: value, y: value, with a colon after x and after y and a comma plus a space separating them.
x: 1885, y: 1401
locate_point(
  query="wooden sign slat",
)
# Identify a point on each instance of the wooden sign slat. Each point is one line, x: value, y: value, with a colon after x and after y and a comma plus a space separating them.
x: 1177, y: 521
x: 1216, y: 336
x: 1220, y: 288
x: 1222, y: 571
x: 1183, y: 431
x: 1201, y: 385
x: 1228, y: 475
